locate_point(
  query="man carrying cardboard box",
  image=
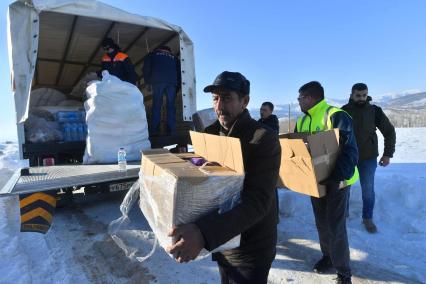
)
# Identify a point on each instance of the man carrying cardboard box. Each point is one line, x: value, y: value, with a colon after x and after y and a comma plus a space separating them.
x: 330, y: 210
x: 256, y: 216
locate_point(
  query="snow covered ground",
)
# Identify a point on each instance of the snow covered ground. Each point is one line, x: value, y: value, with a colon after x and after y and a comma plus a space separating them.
x: 79, y: 249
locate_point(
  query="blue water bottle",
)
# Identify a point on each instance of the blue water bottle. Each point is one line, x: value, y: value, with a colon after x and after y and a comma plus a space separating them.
x: 67, y: 132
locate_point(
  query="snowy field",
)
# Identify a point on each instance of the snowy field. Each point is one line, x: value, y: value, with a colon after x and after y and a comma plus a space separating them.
x: 78, y: 249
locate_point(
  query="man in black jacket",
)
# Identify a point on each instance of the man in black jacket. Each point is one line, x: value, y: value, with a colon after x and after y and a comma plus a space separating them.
x: 366, y: 119
x: 256, y: 216
x: 116, y: 62
x: 267, y: 118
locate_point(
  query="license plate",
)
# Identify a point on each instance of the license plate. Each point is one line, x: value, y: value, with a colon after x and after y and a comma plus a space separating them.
x: 120, y: 186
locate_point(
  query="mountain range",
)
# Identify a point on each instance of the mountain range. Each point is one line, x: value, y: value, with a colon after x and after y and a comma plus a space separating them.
x: 404, y: 110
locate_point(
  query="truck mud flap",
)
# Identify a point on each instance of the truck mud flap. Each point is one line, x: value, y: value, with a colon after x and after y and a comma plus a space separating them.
x: 37, y: 211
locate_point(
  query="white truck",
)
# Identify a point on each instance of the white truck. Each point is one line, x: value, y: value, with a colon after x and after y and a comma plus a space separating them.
x: 53, y: 44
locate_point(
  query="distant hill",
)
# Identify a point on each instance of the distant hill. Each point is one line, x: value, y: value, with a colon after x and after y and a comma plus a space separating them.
x: 404, y: 110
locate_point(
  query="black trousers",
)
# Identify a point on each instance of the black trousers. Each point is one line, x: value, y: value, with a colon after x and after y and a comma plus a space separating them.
x: 243, y: 275
x: 330, y: 219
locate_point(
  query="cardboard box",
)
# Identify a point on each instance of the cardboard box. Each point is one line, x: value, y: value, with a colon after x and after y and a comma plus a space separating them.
x: 174, y: 191
x: 308, y: 159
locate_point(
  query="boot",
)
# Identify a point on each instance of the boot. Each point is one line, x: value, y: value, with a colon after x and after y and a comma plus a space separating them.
x: 341, y: 279
x: 369, y: 225
x: 323, y: 265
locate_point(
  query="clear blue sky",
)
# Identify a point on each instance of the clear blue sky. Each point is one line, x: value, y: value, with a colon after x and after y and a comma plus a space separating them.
x: 280, y: 45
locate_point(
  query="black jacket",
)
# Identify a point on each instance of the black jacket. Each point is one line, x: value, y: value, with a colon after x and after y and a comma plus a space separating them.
x: 271, y: 122
x: 256, y: 217
x: 366, y: 119
x: 119, y: 65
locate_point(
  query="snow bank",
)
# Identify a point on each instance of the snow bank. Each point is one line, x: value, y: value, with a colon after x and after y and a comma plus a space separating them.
x: 77, y: 248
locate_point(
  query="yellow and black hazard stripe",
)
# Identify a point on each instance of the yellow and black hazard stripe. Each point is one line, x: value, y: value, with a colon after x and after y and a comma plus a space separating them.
x: 37, y: 211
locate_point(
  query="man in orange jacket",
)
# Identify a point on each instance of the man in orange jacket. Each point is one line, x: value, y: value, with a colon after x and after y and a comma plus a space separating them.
x: 116, y: 62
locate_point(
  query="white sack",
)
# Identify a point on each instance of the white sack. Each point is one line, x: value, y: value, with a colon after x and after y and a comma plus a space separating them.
x: 115, y: 117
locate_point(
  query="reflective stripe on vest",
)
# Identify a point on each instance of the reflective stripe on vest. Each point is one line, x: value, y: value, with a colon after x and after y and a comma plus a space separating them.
x: 323, y: 123
x: 120, y: 56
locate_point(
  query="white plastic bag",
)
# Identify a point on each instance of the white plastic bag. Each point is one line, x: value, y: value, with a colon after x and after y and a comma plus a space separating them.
x: 42, y: 130
x: 139, y: 242
x: 115, y: 117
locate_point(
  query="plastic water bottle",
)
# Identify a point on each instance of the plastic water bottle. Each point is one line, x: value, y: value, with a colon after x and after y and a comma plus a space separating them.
x: 80, y: 132
x: 67, y: 132
x: 61, y: 117
x: 74, y: 134
x: 83, y: 116
x: 72, y: 116
x: 121, y: 157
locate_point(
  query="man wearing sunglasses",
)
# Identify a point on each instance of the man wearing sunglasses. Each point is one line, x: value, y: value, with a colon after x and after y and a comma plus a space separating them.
x: 366, y: 119
x: 330, y: 210
x: 116, y: 62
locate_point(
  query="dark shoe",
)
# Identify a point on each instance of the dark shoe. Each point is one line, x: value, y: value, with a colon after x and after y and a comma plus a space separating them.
x: 369, y: 226
x: 323, y: 265
x: 343, y: 279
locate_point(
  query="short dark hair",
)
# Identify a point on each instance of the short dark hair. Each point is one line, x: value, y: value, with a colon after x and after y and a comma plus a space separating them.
x: 359, y: 87
x: 108, y: 42
x: 313, y: 89
x: 269, y: 104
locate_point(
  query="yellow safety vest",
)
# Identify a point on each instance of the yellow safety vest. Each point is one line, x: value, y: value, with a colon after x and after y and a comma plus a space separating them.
x: 319, y: 119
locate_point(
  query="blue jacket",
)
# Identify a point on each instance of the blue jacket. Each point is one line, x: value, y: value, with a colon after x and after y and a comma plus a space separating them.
x: 161, y: 66
x: 348, y: 157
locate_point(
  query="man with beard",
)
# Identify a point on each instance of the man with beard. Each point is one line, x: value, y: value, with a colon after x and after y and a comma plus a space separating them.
x: 366, y: 119
x: 330, y: 210
x: 256, y: 216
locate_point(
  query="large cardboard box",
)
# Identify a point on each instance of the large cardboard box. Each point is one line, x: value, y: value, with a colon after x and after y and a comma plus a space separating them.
x: 308, y: 159
x: 174, y: 191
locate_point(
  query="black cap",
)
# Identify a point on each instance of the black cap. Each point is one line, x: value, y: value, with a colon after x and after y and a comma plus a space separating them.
x: 230, y: 81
